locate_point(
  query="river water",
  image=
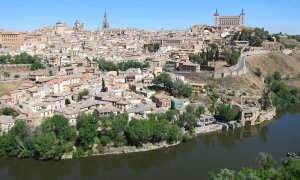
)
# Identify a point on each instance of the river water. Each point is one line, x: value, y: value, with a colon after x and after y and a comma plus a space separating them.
x: 190, y: 160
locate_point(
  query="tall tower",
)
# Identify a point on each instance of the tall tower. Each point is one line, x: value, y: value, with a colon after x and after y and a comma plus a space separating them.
x: 242, y: 18
x: 105, y: 24
x: 216, y: 19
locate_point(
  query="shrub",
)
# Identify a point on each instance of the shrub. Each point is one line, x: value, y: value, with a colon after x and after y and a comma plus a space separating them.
x: 6, y: 74
x: 16, y: 76
x: 105, y: 140
x: 100, y: 147
x: 258, y: 72
x: 120, y: 140
x: 79, y: 153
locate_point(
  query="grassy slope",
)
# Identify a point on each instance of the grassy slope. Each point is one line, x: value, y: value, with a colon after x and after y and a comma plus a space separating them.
x: 275, y: 61
x: 268, y: 63
x: 288, y: 65
x: 8, y: 86
x: 14, y: 70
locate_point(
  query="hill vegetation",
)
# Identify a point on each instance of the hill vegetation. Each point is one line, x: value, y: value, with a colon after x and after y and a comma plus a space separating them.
x: 267, y: 170
x: 122, y: 66
x: 23, y: 58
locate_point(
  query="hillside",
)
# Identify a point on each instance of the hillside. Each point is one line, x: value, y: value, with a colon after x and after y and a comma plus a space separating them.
x: 296, y: 55
x: 275, y: 61
x: 14, y: 69
x: 288, y: 65
x: 290, y: 41
x: 6, y: 86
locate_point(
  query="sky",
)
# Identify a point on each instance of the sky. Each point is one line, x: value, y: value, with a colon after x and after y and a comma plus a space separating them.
x: 25, y: 15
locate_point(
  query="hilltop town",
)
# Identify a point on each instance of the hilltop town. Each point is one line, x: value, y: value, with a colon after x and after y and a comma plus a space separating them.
x: 64, y: 71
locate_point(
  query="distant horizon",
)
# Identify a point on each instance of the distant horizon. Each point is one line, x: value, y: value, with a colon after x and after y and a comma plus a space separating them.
x: 21, y: 16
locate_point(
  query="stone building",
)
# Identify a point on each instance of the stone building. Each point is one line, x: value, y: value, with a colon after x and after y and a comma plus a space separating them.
x: 11, y: 40
x: 229, y: 21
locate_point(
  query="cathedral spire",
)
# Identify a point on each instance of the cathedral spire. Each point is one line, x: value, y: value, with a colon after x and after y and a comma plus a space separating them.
x: 105, y: 24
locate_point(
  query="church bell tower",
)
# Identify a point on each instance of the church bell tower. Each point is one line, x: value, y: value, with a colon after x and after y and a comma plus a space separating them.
x: 105, y: 24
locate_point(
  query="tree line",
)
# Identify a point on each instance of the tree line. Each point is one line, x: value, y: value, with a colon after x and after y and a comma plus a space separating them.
x: 281, y: 94
x: 152, y: 47
x: 122, y: 66
x: 55, y: 137
x: 255, y: 36
x: 22, y: 58
x: 267, y: 170
x: 231, y: 55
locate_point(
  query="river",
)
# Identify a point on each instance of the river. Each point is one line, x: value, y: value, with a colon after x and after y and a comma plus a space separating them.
x: 190, y: 160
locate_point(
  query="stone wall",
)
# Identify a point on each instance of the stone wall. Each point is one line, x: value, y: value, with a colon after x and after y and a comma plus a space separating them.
x: 267, y: 115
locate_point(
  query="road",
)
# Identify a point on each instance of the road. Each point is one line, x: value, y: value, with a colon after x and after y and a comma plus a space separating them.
x: 242, y: 60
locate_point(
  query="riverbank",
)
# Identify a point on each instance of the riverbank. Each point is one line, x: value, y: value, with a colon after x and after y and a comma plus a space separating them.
x: 128, y: 149
x: 196, y: 157
x: 149, y: 146
x: 206, y: 129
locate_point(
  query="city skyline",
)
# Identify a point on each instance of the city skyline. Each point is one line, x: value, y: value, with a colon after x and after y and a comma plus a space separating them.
x: 276, y: 17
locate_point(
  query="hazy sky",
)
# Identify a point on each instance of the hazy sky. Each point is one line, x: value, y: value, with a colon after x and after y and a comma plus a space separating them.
x: 274, y: 15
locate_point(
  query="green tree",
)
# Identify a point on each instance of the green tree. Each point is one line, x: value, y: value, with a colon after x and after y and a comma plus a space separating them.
x: 190, y: 109
x: 87, y: 126
x: 289, y: 170
x: 138, y: 132
x: 266, y: 100
x: 268, y: 162
x: 6, y: 74
x: 5, y: 59
x: 83, y: 93
x: 152, y: 47
x: 120, y: 140
x: 16, y: 76
x: 283, y: 95
x: 17, y: 142
x: 180, y: 89
x: 107, y: 66
x: 174, y: 134
x: 187, y: 120
x: 7, y: 111
x: 258, y: 72
x: 195, y: 59
x: 59, y: 125
x: 227, y: 112
x: 45, y: 146
x: 225, y: 174
x: 200, y: 110
x: 277, y: 76
x: 105, y: 140
x: 232, y: 56
x: 118, y: 124
x: 217, y: 54
x: 164, y: 79
x: 36, y: 65
x: 78, y: 153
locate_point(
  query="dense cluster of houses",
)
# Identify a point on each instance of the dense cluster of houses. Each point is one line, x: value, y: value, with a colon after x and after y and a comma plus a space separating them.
x: 43, y: 96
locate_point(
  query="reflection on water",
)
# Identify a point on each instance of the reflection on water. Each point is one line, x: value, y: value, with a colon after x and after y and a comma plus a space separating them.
x: 194, y: 158
x: 91, y: 166
x: 229, y: 138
